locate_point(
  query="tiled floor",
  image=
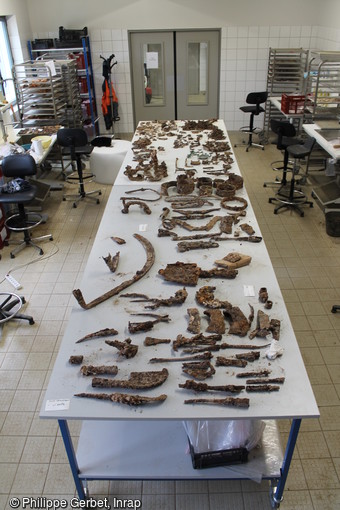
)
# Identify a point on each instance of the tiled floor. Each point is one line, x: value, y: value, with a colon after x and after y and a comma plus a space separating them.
x: 307, y: 263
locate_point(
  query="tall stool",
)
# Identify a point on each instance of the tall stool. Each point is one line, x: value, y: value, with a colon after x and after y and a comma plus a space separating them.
x: 286, y: 136
x: 75, y: 144
x: 296, y: 197
x: 253, y: 100
x: 21, y: 166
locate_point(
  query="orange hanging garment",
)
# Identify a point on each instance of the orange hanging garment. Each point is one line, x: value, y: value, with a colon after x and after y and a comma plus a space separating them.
x: 109, y: 115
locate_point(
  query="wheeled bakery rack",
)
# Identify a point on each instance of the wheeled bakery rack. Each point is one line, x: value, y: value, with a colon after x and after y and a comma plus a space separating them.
x: 79, y: 52
x: 285, y: 74
x: 323, y: 85
x: 40, y: 94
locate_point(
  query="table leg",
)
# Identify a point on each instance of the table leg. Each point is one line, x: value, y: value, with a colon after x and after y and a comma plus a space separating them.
x: 65, y: 432
x: 277, y: 495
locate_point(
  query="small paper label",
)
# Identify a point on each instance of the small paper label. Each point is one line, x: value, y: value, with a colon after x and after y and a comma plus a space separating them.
x: 59, y: 404
x: 143, y: 227
x: 248, y: 290
x: 51, y: 65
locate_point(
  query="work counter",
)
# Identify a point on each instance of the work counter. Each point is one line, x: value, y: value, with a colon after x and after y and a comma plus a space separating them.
x: 100, y: 453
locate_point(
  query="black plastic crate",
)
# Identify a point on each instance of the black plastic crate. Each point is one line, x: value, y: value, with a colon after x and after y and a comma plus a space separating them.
x: 71, y: 34
x: 42, y: 44
x: 218, y: 458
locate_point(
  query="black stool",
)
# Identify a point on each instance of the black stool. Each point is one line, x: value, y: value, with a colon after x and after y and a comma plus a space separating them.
x: 285, y: 132
x: 21, y: 166
x: 254, y: 100
x: 296, y: 197
x: 75, y: 144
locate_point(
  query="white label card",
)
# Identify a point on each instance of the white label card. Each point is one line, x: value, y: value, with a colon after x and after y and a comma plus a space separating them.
x: 51, y: 65
x: 58, y: 404
x: 152, y: 60
x: 143, y: 227
x: 248, y: 290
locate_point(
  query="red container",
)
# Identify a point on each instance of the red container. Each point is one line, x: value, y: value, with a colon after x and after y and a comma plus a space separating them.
x: 83, y: 85
x: 292, y: 103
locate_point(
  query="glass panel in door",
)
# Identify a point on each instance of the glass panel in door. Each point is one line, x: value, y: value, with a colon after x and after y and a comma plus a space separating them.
x: 197, y: 55
x: 153, y: 74
x: 197, y: 73
x: 153, y: 80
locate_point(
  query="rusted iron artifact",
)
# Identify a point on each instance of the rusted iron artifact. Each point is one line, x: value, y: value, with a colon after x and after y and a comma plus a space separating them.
x: 112, y: 262
x: 221, y: 361
x: 199, y: 339
x: 125, y: 348
x: 194, y: 325
x: 76, y: 360
x: 127, y: 202
x: 124, y: 398
x: 248, y: 356
x: 137, y: 327
x: 202, y: 387
x: 149, y: 341
x: 118, y: 240
x: 179, y: 298
x: 199, y: 369
x: 184, y: 246
x: 188, y: 273
x: 262, y: 380
x: 98, y: 334
x: 257, y: 373
x: 99, y: 370
x: 265, y: 326
x: 150, y: 259
x: 228, y: 401
x: 203, y: 356
x: 180, y: 272
x: 262, y: 388
x: 142, y: 190
x: 248, y: 229
x: 216, y: 321
x: 136, y: 380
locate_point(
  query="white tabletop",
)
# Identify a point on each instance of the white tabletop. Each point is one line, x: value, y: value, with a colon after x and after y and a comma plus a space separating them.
x: 295, y: 398
x: 312, y: 130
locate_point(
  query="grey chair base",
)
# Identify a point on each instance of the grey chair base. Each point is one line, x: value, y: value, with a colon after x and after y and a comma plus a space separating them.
x: 20, y: 223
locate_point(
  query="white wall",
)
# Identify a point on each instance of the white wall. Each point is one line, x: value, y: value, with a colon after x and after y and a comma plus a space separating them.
x: 148, y: 14
x: 19, y: 26
x: 249, y: 28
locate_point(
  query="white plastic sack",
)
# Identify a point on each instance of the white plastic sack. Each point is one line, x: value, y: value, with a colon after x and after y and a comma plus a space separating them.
x: 215, y: 435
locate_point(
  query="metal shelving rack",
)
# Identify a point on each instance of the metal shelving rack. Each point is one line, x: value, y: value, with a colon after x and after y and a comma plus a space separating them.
x: 323, y: 85
x: 39, y: 93
x: 80, y: 53
x: 286, y: 70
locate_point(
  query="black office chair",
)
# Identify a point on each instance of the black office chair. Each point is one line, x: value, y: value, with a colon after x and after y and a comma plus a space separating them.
x: 10, y: 305
x: 253, y: 100
x: 296, y: 197
x: 21, y: 166
x: 286, y: 136
x: 75, y: 144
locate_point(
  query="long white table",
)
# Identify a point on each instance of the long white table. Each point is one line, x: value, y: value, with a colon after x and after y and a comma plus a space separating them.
x: 314, y: 131
x: 119, y: 441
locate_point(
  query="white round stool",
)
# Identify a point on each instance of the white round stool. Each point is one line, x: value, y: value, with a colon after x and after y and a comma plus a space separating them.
x: 105, y: 162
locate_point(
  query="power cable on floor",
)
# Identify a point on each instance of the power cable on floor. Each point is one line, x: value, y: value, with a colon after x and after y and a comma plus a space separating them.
x: 44, y: 257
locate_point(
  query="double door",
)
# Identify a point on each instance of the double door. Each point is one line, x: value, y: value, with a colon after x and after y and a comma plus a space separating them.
x: 175, y: 74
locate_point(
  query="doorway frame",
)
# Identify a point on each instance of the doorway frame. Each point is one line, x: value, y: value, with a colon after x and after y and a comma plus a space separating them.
x: 173, y: 31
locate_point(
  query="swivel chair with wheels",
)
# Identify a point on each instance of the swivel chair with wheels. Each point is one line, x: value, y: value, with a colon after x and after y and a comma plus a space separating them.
x: 286, y: 136
x: 253, y: 100
x: 10, y: 305
x: 75, y: 144
x: 21, y: 166
x: 296, y: 197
